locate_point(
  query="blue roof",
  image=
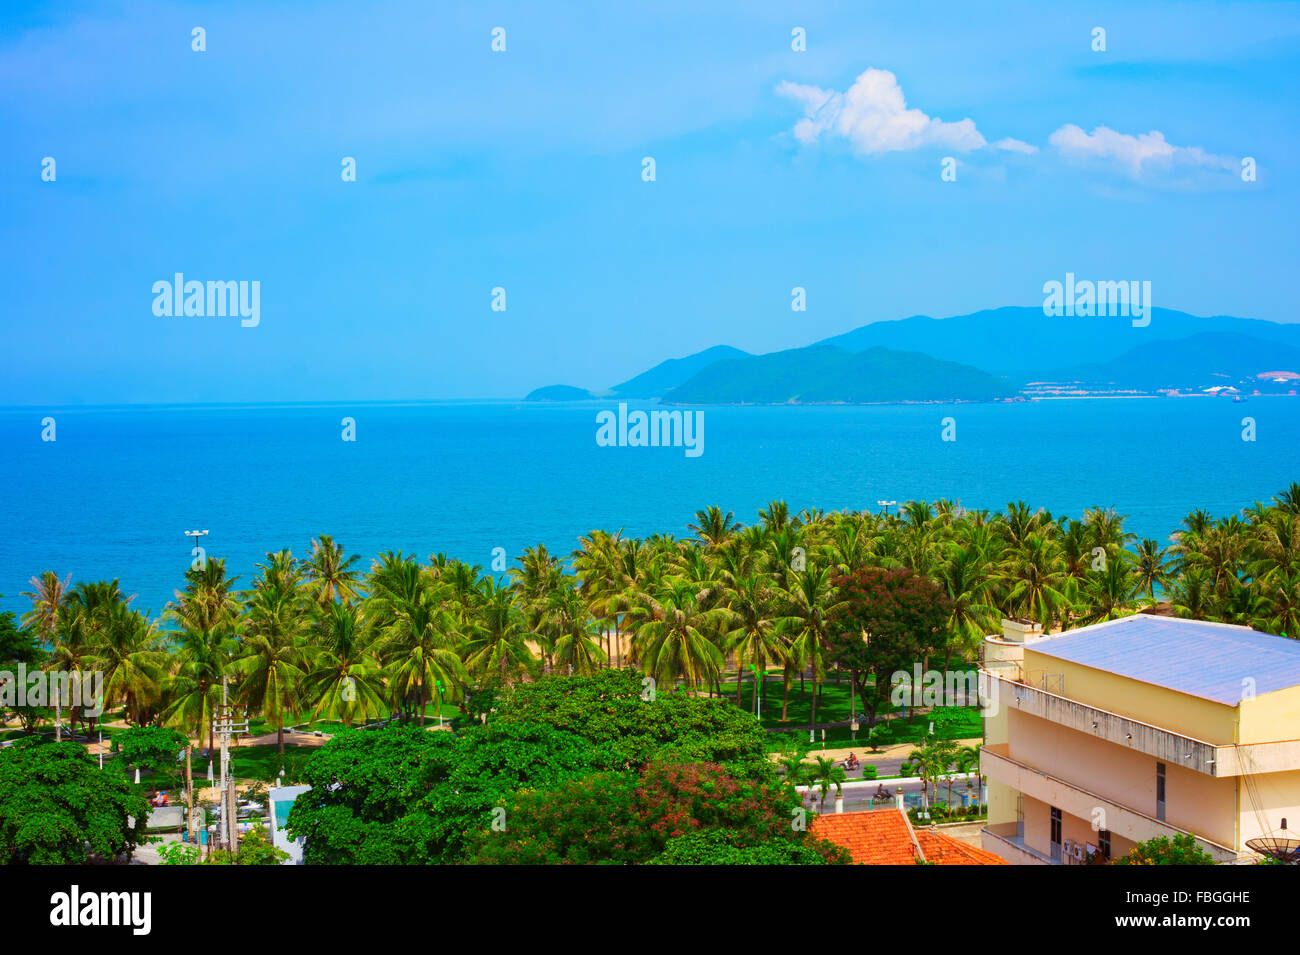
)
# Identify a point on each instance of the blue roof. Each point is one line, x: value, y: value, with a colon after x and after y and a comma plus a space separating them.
x: 1209, y: 660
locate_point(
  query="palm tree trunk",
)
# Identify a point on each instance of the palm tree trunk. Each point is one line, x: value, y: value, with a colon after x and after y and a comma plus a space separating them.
x: 279, y: 735
x: 785, y: 695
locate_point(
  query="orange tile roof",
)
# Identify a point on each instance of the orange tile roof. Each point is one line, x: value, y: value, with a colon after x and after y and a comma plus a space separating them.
x: 886, y: 837
x: 943, y: 849
x: 883, y: 837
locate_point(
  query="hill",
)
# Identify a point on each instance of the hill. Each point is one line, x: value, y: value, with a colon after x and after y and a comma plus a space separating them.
x: 822, y: 374
x: 673, y: 372
x: 559, y: 393
x: 1196, y: 362
x: 1022, y: 342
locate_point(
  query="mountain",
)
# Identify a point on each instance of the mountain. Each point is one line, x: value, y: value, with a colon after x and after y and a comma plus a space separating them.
x: 1021, y: 342
x: 558, y: 393
x: 1196, y: 362
x: 673, y: 372
x: 823, y: 374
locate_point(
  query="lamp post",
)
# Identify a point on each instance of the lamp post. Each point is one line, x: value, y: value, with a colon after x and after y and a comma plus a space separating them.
x: 195, y: 536
x: 886, y: 505
x: 758, y: 693
x: 437, y: 693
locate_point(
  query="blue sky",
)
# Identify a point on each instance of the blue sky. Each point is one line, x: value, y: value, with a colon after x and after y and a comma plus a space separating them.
x: 522, y: 169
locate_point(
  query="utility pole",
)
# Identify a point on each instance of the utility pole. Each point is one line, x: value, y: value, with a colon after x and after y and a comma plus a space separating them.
x: 224, y: 723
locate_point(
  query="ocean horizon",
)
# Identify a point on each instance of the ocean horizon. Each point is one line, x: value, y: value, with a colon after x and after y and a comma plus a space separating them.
x: 113, y: 495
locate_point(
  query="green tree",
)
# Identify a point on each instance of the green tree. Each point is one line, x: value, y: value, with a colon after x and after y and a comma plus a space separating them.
x: 1180, y: 850
x: 58, y: 808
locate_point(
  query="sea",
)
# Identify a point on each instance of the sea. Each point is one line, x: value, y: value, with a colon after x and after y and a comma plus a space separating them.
x: 113, y: 494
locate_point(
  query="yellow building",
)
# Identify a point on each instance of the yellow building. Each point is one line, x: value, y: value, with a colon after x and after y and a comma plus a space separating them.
x: 1108, y: 735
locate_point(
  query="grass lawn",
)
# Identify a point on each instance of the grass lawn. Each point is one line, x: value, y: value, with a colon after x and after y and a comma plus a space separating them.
x: 833, y: 703
x: 250, y: 762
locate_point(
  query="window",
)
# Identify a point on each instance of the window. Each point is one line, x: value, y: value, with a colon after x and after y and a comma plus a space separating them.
x: 1160, y: 791
x: 1103, y: 843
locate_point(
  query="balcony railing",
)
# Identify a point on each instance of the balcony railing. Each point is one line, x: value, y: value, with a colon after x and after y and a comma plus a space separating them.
x: 1126, y: 821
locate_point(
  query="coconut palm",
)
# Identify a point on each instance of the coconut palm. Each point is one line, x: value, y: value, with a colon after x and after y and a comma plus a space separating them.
x: 1152, y: 567
x: 273, y: 656
x: 824, y: 775
x: 331, y: 575
x: 420, y: 639
x: 496, y: 643
x: 712, y: 527
x: 128, y: 651
x: 751, y: 632
x: 671, y: 635
x: 806, y: 618
x: 566, y: 622
x: 344, y: 679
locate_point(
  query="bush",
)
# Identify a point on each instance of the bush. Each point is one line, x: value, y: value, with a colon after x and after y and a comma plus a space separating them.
x: 868, y: 771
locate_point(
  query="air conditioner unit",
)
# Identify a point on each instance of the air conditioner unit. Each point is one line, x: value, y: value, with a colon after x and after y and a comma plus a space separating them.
x: 1078, y: 851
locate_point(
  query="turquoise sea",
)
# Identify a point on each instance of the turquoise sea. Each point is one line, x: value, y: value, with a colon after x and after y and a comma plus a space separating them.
x: 114, y: 493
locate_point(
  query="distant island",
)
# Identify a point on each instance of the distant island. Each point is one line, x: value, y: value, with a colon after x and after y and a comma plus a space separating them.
x: 993, y: 355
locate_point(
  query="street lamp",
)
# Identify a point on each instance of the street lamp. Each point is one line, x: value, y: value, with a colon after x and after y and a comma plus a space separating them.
x: 886, y: 505
x: 437, y: 692
x: 194, y: 538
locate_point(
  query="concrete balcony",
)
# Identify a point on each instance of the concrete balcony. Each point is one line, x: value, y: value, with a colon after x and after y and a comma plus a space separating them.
x: 1121, y: 820
x: 1002, y: 840
x: 1203, y: 757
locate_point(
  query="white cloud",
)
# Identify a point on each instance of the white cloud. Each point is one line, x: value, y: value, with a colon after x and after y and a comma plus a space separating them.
x: 1015, y: 146
x: 1132, y: 151
x: 873, y: 116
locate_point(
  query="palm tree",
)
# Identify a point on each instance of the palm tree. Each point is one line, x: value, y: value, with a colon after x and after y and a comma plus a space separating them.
x: 421, y: 636
x: 934, y: 759
x: 826, y: 774
x: 713, y: 528
x: 497, y: 640
x: 1192, y: 595
x: 48, y: 596
x: 806, y: 621
x: 1034, y: 577
x: 566, y: 623
x: 1152, y: 567
x: 1108, y: 594
x: 964, y: 578
x: 796, y: 771
x: 128, y: 651
x: 751, y: 632
x: 330, y: 574
x: 344, y: 678
x: 273, y: 656
x: 671, y: 636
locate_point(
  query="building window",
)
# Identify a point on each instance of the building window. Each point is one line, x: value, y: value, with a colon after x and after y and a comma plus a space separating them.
x: 1160, y: 791
x: 1103, y: 843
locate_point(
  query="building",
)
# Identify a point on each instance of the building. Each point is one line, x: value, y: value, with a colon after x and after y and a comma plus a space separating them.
x: 280, y: 801
x: 1108, y: 735
x: 886, y: 837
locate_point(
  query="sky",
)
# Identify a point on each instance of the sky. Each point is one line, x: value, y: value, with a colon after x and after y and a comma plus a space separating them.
x: 523, y: 169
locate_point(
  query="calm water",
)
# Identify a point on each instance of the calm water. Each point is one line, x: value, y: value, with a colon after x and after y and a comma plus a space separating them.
x: 113, y: 495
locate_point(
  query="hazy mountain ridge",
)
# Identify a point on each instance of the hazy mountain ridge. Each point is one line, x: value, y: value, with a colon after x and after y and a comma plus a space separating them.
x: 984, y: 355
x: 821, y: 374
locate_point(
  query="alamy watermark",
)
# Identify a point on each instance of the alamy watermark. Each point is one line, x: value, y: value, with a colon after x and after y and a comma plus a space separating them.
x: 195, y: 299
x: 1088, y: 299
x: 651, y: 429
x: 45, y: 688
